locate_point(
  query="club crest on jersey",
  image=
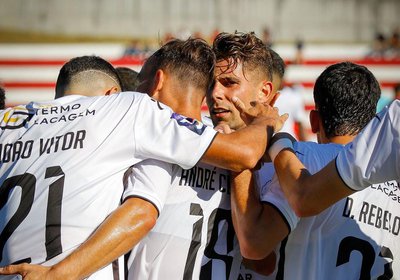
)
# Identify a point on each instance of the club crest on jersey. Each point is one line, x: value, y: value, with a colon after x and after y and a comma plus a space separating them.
x: 17, y: 117
x: 190, y: 123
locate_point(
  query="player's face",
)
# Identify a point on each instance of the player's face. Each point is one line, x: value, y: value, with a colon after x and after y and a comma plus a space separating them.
x: 231, y: 82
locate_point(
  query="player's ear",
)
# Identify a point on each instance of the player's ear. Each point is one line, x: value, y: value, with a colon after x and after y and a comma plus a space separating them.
x: 314, y: 121
x: 159, y: 80
x: 112, y: 90
x: 266, y: 94
x: 274, y: 98
x: 157, y: 84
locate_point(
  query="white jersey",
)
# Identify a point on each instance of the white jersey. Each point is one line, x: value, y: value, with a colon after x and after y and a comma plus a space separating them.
x: 356, y: 238
x: 194, y: 236
x: 62, y: 164
x: 374, y: 155
x: 248, y: 274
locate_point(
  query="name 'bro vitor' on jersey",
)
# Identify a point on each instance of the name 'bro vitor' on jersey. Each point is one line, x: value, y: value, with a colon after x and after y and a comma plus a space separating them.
x: 10, y: 152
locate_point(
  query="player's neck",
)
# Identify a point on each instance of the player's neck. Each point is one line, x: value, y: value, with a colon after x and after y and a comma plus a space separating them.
x: 342, y: 140
x: 187, y: 103
x: 190, y: 111
x: 184, y: 106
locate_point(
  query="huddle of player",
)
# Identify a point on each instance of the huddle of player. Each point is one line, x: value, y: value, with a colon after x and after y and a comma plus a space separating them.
x: 138, y: 174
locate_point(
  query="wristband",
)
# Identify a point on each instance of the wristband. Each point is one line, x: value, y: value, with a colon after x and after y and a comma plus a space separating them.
x: 278, y: 146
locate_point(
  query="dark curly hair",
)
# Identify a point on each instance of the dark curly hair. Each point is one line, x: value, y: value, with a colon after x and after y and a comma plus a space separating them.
x: 346, y: 96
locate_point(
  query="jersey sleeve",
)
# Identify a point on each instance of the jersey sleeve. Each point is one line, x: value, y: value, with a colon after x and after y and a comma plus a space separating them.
x: 167, y: 136
x: 373, y: 156
x: 271, y: 192
x: 150, y: 180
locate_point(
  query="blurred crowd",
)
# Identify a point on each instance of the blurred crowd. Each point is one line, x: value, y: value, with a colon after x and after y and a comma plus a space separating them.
x: 386, y: 46
x: 141, y: 49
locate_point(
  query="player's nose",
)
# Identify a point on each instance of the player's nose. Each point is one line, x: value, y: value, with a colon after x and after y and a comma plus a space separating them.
x: 218, y: 92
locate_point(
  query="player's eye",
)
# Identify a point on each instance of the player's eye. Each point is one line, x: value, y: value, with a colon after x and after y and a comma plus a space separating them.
x: 227, y: 82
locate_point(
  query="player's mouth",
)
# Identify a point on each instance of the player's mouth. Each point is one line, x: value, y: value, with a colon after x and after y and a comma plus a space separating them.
x: 220, y: 112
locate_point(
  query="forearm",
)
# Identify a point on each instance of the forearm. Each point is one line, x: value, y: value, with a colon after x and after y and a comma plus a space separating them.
x: 263, y: 267
x: 239, y: 150
x: 123, y: 229
x: 251, y: 226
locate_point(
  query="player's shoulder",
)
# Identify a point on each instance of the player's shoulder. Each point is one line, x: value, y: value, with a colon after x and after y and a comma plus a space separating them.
x: 388, y: 114
x: 393, y: 111
x: 315, y: 148
x: 120, y: 102
x: 126, y: 96
x: 123, y: 97
x: 311, y: 153
x: 395, y: 104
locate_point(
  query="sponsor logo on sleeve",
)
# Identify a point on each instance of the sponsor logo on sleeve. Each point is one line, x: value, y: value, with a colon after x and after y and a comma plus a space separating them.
x: 190, y: 123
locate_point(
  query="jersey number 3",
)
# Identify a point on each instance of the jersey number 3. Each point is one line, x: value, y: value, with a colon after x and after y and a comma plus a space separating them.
x: 27, y: 183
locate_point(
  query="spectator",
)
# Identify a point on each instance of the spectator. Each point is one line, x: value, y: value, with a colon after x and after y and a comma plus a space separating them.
x: 266, y: 37
x: 133, y: 49
x: 394, y: 44
x: 299, y: 54
x: 379, y: 47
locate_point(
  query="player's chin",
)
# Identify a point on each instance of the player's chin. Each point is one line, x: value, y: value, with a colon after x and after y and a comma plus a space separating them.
x: 220, y: 123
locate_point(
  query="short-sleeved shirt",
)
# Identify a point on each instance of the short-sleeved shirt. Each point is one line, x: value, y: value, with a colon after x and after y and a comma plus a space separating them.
x: 356, y: 238
x: 194, y: 236
x: 374, y: 155
x: 62, y: 164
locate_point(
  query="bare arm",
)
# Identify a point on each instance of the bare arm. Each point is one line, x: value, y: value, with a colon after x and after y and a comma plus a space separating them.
x: 263, y: 267
x: 309, y: 194
x: 243, y: 148
x: 117, y: 235
x: 259, y: 226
